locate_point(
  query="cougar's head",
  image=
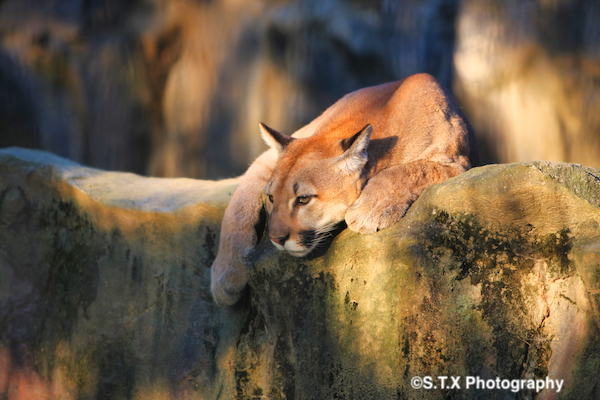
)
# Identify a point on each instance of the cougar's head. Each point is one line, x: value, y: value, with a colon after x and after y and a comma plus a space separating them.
x: 314, y: 182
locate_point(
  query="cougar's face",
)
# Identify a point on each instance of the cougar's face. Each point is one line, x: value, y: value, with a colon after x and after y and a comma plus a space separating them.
x: 306, y: 205
x: 314, y: 183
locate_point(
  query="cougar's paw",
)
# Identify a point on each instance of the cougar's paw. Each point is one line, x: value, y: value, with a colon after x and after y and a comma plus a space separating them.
x: 228, y: 280
x: 368, y: 217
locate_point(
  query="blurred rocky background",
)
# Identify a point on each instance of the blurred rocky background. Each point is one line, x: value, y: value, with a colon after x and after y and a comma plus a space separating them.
x: 177, y: 87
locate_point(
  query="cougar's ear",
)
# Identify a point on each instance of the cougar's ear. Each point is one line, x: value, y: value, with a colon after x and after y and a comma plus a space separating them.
x: 273, y: 138
x: 355, y: 155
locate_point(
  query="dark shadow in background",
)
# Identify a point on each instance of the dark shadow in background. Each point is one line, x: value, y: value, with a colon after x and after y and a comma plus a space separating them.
x: 18, y: 126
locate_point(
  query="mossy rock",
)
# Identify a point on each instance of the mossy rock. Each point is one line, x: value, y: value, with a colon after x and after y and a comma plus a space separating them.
x: 104, y: 291
x: 105, y: 283
x: 491, y: 274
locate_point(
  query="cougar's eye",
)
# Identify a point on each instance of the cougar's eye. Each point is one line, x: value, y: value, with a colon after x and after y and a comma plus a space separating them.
x: 270, y: 196
x: 303, y: 199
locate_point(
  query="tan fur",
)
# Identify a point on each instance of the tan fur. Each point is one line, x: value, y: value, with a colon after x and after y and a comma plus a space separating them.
x: 419, y: 137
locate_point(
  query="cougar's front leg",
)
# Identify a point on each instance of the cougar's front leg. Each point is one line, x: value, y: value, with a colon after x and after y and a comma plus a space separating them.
x: 229, y: 273
x: 387, y: 195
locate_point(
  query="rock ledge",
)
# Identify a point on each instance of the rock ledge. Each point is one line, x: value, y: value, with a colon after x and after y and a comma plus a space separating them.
x: 104, y: 290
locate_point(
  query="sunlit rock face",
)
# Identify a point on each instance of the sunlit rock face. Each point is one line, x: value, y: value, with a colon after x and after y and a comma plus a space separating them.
x: 490, y: 274
x: 527, y: 76
x: 104, y: 290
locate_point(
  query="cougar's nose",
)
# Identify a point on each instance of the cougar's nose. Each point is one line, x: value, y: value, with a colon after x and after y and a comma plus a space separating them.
x: 280, y: 240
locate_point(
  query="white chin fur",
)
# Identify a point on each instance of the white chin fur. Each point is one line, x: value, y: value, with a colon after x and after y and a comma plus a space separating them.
x: 298, y: 253
x: 292, y: 248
